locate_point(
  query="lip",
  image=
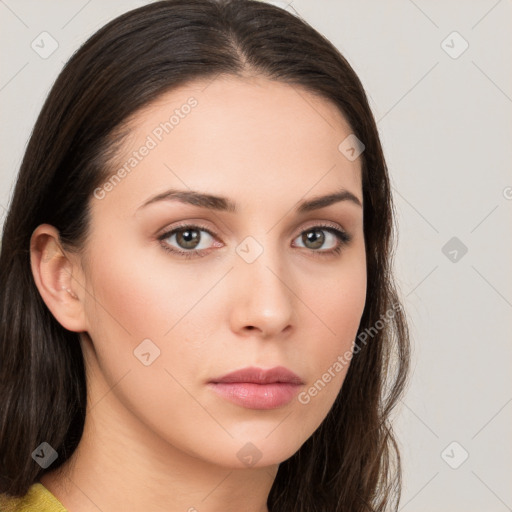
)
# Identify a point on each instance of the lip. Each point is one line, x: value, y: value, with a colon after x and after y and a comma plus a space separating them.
x: 256, y: 388
x: 255, y: 375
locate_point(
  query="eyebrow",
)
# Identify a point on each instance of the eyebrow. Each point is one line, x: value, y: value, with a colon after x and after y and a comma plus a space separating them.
x: 227, y: 205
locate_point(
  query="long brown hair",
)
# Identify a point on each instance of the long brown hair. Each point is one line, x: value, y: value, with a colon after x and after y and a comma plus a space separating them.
x: 351, y: 462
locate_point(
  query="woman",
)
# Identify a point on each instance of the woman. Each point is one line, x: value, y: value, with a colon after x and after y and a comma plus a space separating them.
x: 198, y: 309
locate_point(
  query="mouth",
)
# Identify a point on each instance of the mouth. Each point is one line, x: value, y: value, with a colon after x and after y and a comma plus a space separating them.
x: 256, y: 388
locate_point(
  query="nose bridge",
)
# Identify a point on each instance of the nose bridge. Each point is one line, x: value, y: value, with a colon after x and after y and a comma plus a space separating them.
x: 264, y: 297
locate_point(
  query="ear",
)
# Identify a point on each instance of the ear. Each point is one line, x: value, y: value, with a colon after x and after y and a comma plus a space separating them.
x: 58, y: 277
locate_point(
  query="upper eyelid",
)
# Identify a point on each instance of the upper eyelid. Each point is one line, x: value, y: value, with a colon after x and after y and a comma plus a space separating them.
x: 170, y: 231
x: 212, y: 232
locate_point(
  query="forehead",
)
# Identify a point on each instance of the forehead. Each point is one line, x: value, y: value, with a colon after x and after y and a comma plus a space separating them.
x: 250, y: 133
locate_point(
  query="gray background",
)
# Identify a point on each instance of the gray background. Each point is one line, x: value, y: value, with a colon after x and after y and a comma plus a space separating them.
x: 445, y: 123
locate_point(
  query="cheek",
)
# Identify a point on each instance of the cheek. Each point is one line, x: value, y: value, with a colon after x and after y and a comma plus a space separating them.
x: 144, y: 330
x: 333, y: 327
x: 132, y: 293
x: 339, y: 302
x: 135, y: 296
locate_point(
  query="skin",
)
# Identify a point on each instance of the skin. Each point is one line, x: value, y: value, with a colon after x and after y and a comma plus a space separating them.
x: 157, y: 437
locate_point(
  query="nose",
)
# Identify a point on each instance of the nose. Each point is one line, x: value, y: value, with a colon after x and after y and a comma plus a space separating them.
x: 262, y: 298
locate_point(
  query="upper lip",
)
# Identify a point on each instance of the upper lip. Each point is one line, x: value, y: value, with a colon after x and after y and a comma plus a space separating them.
x: 260, y: 376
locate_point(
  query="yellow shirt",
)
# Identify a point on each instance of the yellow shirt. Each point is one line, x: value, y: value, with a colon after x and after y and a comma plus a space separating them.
x: 37, y: 499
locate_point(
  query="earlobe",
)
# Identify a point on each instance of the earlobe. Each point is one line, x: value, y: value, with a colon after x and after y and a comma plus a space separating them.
x: 58, y: 278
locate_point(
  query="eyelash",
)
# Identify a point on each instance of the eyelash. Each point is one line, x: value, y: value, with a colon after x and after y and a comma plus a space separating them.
x: 343, y: 239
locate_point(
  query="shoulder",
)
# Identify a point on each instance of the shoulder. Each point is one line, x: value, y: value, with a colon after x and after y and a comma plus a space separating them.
x: 37, y: 499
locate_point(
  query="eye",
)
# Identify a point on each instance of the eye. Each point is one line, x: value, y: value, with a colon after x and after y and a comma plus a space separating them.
x: 191, y: 240
x: 316, y: 236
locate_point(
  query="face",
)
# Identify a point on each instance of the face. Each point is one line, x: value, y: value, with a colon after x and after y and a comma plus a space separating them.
x: 240, y: 270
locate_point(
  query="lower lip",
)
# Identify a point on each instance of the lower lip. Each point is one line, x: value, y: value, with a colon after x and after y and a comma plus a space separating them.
x: 256, y: 396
